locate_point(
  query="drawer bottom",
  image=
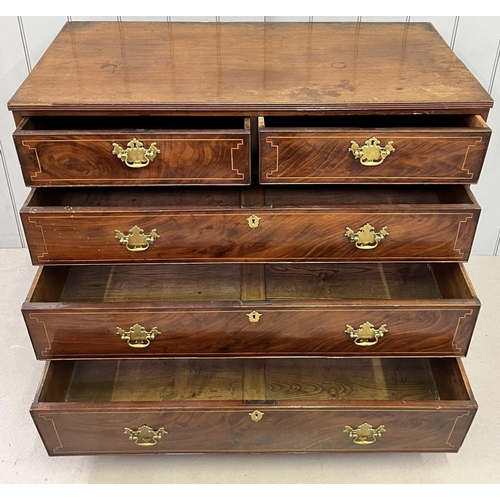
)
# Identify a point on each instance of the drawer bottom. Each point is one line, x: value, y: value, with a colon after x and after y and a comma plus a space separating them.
x: 253, y: 406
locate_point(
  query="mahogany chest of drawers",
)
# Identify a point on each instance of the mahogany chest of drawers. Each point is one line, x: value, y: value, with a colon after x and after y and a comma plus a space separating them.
x: 250, y: 237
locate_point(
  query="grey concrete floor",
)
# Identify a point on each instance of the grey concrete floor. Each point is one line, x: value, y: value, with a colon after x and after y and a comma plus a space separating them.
x: 23, y: 458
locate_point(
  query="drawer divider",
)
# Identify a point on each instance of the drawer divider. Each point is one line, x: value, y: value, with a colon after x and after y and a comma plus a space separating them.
x: 253, y: 283
x: 254, y: 381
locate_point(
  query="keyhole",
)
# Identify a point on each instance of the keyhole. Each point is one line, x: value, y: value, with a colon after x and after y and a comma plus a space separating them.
x: 253, y: 221
x: 254, y: 316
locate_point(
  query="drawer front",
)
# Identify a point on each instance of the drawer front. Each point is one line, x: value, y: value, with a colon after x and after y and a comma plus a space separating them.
x: 257, y: 330
x: 281, y: 235
x: 419, y: 156
x: 231, y: 430
x: 181, y: 158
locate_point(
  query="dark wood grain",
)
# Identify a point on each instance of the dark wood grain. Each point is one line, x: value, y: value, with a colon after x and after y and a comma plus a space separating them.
x: 310, y: 152
x: 240, y: 67
x: 196, y: 422
x: 84, y: 157
x: 305, y: 310
x: 72, y: 226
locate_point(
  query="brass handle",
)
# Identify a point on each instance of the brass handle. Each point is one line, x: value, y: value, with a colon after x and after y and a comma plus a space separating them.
x: 145, y: 435
x: 256, y: 415
x: 136, y: 240
x: 366, y: 334
x: 371, y: 154
x: 366, y: 238
x: 137, y: 336
x: 365, y: 433
x: 136, y: 156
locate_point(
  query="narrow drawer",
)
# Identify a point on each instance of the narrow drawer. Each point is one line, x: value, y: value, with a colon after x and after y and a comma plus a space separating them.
x: 273, y: 405
x: 171, y: 310
x: 74, y: 151
x: 255, y: 224
x: 372, y: 149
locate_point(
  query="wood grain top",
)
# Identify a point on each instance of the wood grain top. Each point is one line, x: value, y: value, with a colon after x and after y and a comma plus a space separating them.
x: 119, y: 67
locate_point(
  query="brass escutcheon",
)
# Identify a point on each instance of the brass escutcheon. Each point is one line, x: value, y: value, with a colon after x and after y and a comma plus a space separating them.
x: 136, y: 240
x: 366, y: 238
x: 137, y: 336
x: 366, y: 334
x: 365, y: 433
x: 135, y: 156
x: 254, y: 316
x: 253, y: 221
x: 256, y: 415
x: 371, y: 154
x: 145, y: 435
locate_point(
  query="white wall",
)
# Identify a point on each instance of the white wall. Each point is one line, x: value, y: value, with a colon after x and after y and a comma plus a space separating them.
x: 475, y: 40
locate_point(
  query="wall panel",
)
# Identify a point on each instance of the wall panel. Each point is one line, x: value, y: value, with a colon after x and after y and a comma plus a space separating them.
x: 488, y: 231
x: 476, y: 45
x: 444, y: 24
x: 335, y: 19
x: 40, y: 31
x: 287, y: 19
x: 193, y: 19
x: 13, y: 70
x: 241, y: 19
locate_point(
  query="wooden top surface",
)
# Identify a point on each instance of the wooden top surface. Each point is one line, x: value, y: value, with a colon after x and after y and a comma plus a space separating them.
x: 248, y: 67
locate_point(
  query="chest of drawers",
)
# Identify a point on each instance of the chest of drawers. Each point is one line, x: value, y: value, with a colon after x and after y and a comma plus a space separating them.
x: 251, y: 237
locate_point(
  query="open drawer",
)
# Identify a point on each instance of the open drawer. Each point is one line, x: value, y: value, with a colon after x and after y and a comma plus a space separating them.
x: 251, y: 224
x: 236, y: 405
x: 372, y: 149
x: 169, y: 310
x: 107, y: 150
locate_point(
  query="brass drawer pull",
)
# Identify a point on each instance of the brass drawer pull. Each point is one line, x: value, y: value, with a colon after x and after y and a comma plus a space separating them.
x: 135, y: 156
x: 136, y: 240
x: 366, y: 334
x: 145, y: 435
x: 366, y: 238
x: 137, y: 336
x: 256, y: 415
x: 371, y: 154
x: 365, y: 433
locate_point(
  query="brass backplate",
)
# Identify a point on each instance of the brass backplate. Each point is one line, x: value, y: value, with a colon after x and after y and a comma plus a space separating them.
x: 371, y: 153
x: 365, y: 433
x: 145, y: 435
x: 136, y: 240
x: 136, y: 155
x: 366, y: 238
x: 137, y: 336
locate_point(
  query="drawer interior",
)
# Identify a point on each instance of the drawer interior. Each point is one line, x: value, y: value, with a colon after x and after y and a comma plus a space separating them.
x: 226, y: 282
x: 266, y: 380
x: 375, y: 122
x: 267, y: 196
x: 134, y: 123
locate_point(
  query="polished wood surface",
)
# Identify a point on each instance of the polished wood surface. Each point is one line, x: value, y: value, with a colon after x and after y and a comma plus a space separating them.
x: 63, y: 153
x: 240, y: 67
x: 299, y: 224
x: 428, y: 310
x: 202, y: 406
x: 428, y: 149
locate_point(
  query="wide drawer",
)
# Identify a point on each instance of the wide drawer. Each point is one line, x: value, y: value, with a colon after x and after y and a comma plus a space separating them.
x: 227, y: 406
x: 254, y: 224
x: 169, y: 310
x: 372, y: 149
x: 72, y: 151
